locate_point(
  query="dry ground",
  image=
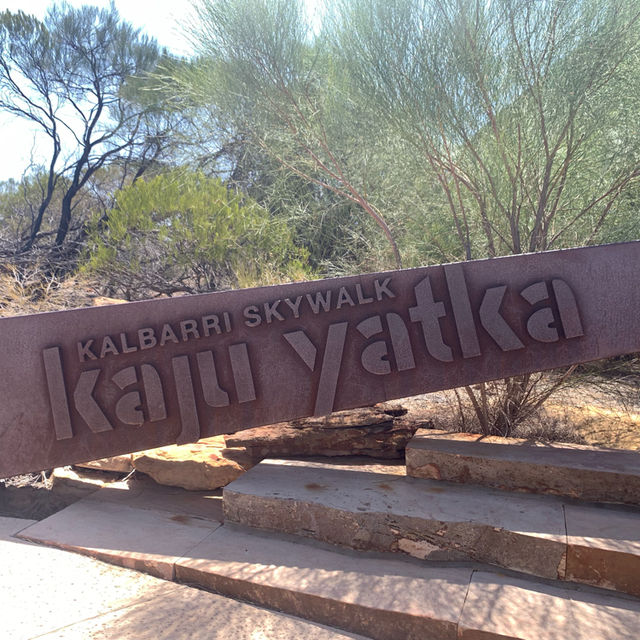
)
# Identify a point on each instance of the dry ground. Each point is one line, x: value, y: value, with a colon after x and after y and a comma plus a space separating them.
x: 597, y: 411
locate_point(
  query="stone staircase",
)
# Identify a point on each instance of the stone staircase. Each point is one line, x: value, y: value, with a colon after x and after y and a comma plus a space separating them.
x: 476, y: 539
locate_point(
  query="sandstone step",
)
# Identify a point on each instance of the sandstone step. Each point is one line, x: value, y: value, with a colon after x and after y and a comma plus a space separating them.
x: 576, y: 471
x: 392, y: 599
x: 538, y: 535
x: 381, y: 596
x: 51, y: 594
x: 136, y: 525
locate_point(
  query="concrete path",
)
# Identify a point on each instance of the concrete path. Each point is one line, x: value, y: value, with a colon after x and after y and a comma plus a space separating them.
x: 49, y: 594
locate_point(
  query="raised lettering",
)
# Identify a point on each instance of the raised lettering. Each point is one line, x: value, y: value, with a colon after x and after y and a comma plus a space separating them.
x: 153, y: 393
x: 108, y: 347
x: 344, y: 298
x: 331, y: 362
x: 86, y: 404
x: 189, y: 328
x: 168, y: 335
x: 331, y: 365
x: 252, y: 315
x: 124, y: 346
x: 568, y: 309
x: 360, y: 295
x: 427, y: 312
x: 493, y: 322
x: 400, y: 342
x: 462, y: 313
x: 84, y: 351
x: 189, y: 420
x: 214, y: 396
x: 125, y: 377
x: 303, y: 347
x: 382, y: 289
x: 128, y: 408
x: 242, y: 376
x: 294, y: 306
x: 373, y: 355
x: 539, y: 323
x: 271, y: 311
x: 57, y: 393
x: 319, y: 301
x: 211, y: 322
x: 147, y: 338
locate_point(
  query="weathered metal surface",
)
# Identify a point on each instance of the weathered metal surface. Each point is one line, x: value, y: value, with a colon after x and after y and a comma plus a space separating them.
x: 89, y: 383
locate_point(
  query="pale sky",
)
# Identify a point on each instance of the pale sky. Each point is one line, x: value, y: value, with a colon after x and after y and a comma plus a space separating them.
x: 158, y: 18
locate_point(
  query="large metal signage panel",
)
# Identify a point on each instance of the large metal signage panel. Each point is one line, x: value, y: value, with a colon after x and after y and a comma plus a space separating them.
x: 88, y: 383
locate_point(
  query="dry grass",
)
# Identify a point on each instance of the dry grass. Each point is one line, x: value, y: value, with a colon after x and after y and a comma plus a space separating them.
x: 595, y: 410
x: 30, y: 290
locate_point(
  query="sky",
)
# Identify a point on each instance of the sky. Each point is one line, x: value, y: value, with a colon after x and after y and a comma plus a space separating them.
x: 157, y: 18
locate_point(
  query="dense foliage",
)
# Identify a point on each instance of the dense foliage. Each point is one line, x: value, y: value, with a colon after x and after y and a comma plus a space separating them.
x: 182, y: 232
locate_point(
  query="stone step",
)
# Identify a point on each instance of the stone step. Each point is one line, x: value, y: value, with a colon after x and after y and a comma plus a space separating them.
x: 51, y: 594
x: 380, y: 596
x: 353, y: 507
x: 576, y: 471
x: 138, y: 525
x: 393, y: 599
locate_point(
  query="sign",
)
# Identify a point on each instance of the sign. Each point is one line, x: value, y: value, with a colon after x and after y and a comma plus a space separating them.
x: 89, y: 383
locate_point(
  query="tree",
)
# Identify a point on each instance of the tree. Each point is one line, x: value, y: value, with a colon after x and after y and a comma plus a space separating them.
x: 524, y: 112
x: 269, y: 80
x: 72, y: 76
x: 182, y: 232
x: 495, y: 127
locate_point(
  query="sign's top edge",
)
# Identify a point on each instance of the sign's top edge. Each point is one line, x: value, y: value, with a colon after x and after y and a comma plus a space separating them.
x: 333, y: 279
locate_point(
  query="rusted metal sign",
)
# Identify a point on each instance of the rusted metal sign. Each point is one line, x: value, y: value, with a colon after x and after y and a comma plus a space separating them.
x: 89, y: 383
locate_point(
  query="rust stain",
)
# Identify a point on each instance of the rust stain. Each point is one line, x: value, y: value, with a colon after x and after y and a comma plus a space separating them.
x: 314, y: 486
x: 182, y: 519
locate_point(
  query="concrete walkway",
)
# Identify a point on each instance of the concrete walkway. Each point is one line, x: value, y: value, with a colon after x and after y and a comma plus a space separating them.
x: 54, y: 594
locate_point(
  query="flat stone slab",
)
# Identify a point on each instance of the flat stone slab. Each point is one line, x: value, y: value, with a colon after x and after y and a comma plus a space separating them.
x: 604, y: 547
x: 369, y: 510
x: 576, y: 471
x: 501, y: 607
x: 401, y: 600
x: 52, y: 594
x: 384, y: 512
x: 44, y: 589
x: 380, y: 598
x: 112, y: 525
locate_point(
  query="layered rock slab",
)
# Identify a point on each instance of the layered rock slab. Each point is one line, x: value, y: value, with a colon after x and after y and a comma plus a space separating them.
x: 576, y: 471
x: 377, y: 432
x: 359, y: 509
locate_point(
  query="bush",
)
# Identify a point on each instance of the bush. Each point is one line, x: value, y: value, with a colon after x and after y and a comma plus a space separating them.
x: 182, y: 232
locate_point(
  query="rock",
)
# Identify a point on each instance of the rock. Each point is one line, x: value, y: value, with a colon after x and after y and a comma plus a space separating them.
x: 361, y: 432
x: 204, y: 465
x: 102, y: 301
x: 119, y: 464
x: 364, y: 417
x: 214, y: 462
